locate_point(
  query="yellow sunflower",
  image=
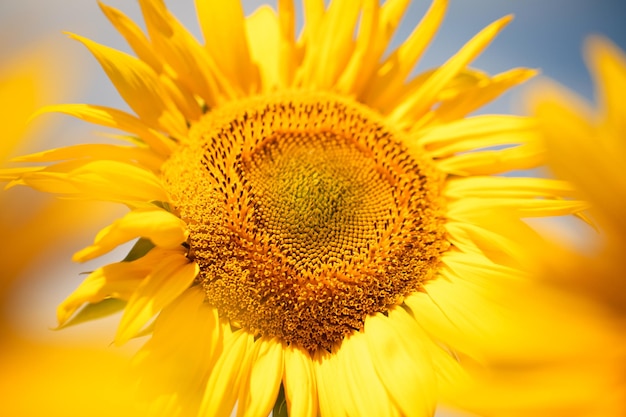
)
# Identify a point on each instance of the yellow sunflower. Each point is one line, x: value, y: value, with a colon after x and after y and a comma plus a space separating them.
x: 588, y: 148
x: 316, y: 228
x: 580, y: 369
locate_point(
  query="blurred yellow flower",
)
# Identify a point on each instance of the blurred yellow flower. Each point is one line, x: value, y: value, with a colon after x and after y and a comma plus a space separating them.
x: 316, y: 231
x: 22, y: 90
x: 578, y: 369
x: 588, y: 148
x: 44, y: 378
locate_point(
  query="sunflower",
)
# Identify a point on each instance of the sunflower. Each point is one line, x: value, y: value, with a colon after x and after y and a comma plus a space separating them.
x: 580, y: 369
x: 316, y: 228
x: 587, y: 147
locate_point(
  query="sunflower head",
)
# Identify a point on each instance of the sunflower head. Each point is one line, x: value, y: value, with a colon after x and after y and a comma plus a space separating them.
x: 310, y: 215
x: 302, y: 205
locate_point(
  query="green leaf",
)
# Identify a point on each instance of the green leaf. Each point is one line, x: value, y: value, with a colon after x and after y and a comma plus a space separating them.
x: 95, y: 311
x: 280, y: 407
x: 141, y: 247
x: 163, y: 204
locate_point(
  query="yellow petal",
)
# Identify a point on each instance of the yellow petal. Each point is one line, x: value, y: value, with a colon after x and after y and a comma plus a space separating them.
x: 477, y: 132
x: 222, y: 24
x: 168, y: 280
x: 391, y: 15
x: 313, y: 11
x: 163, y: 228
x: 451, y: 376
x: 143, y: 156
x: 103, y: 179
x: 367, y: 394
x: 583, y: 153
x: 264, y: 38
x: 393, y: 72
x: 225, y: 379
x: 608, y: 67
x: 473, y: 98
x: 525, y: 156
x: 420, y: 102
x: 98, y: 180
x: 259, y: 389
x: 197, y: 344
x: 18, y: 95
x: 193, y: 68
x: 489, y: 187
x: 133, y: 35
x: 118, y: 280
x: 299, y: 382
x: 364, y: 59
x: 401, y: 359
x: 139, y: 86
x: 470, y: 235
x: 325, y: 365
x: 116, y: 119
x: 437, y: 323
x: 288, y: 56
x: 14, y: 174
x: 333, y: 45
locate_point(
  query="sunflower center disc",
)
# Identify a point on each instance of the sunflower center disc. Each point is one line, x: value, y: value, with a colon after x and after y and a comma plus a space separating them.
x: 319, y: 199
x: 306, y: 213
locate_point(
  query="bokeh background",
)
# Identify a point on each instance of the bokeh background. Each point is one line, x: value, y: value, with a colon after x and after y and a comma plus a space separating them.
x: 545, y: 34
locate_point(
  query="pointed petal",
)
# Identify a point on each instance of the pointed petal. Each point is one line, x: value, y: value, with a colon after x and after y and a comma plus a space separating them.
x: 477, y: 132
x: 470, y: 99
x: 190, y: 63
x: 163, y: 228
x: 582, y: 152
x: 368, y: 395
x: 402, y: 362
x: 521, y: 207
x: 394, y: 71
x: 419, y: 103
x: 143, y: 156
x: 358, y: 71
x: 525, y: 156
x: 118, y: 280
x: 259, y: 390
x: 116, y: 119
x: 391, y: 15
x: 288, y: 58
x: 102, y: 180
x: 263, y: 32
x: 313, y: 11
x: 300, y: 383
x: 139, y: 86
x: 225, y: 379
x: 222, y: 24
x: 608, y: 67
x: 325, y: 365
x: 169, y: 279
x: 333, y: 45
x: 497, y: 187
x: 197, y: 344
x: 133, y: 35
x: 98, y: 180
